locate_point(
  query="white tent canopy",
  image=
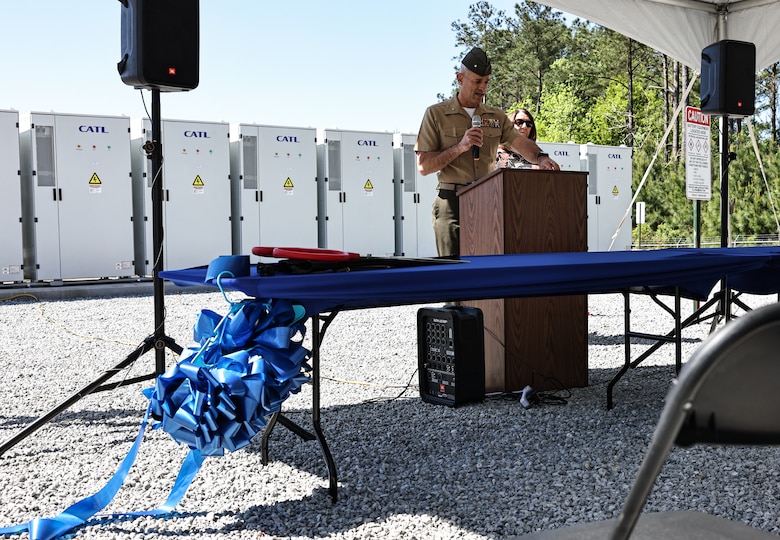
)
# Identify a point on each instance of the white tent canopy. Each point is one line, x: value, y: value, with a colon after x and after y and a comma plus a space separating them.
x: 682, y: 28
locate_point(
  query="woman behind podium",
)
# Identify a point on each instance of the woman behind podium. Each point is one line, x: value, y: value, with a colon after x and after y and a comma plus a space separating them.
x: 506, y: 158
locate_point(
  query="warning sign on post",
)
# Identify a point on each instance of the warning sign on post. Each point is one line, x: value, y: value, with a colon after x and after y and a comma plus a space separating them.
x: 698, y: 179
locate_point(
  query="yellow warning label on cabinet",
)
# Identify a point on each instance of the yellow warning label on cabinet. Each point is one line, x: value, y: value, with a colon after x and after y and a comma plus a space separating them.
x: 368, y: 185
x: 288, y: 183
x: 95, y: 180
x: 615, y: 191
x: 198, y: 182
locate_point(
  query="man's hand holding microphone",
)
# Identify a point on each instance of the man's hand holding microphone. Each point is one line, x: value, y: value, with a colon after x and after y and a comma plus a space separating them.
x: 472, y: 138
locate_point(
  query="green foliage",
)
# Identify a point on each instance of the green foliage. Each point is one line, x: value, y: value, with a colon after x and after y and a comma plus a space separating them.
x: 562, y: 118
x: 586, y: 83
x: 606, y: 117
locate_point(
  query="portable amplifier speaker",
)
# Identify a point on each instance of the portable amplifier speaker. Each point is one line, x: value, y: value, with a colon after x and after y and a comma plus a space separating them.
x: 160, y: 44
x: 728, y: 78
x: 451, y: 355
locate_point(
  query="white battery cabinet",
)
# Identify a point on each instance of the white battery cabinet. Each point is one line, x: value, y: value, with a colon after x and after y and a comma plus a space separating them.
x: 567, y: 155
x: 77, y: 196
x: 414, y: 201
x: 273, y: 170
x: 196, y: 205
x: 609, y: 196
x: 11, y: 255
x: 356, y: 199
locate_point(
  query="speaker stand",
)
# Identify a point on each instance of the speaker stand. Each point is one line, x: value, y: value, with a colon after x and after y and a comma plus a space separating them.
x: 723, y: 310
x: 158, y: 341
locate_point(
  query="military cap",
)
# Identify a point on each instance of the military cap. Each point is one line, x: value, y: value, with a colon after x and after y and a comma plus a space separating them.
x: 477, y: 61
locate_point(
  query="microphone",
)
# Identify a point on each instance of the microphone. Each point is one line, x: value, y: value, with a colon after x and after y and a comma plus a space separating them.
x: 476, y: 121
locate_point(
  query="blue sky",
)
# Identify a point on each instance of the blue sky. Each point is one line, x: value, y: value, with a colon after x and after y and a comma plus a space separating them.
x: 372, y: 65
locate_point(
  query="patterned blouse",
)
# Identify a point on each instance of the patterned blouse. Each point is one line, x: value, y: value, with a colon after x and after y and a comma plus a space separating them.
x: 507, y: 159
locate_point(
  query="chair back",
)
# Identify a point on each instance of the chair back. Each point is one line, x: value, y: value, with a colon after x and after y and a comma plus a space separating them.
x: 734, y: 384
x: 728, y: 392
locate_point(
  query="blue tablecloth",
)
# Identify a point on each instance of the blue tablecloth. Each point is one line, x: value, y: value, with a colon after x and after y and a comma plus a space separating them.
x: 753, y: 270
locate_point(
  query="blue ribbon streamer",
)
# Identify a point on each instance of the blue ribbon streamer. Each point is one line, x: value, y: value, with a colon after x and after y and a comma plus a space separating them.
x: 78, y: 513
x: 218, y: 396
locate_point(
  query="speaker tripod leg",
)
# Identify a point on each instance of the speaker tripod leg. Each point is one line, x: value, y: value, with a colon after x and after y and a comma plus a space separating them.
x: 149, y: 344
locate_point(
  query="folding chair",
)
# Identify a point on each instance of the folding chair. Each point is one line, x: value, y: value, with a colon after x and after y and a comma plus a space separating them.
x: 727, y: 393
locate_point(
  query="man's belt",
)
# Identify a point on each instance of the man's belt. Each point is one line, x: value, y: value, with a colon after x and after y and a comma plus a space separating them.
x: 451, y: 187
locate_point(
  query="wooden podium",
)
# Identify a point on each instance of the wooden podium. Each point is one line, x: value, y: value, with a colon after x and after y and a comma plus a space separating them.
x: 529, y: 341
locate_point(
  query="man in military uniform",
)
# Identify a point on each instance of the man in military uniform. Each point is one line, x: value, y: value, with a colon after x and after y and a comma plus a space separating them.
x: 448, y: 139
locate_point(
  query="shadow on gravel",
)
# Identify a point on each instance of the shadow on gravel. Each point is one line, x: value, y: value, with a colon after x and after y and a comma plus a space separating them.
x: 115, y: 418
x: 594, y: 338
x: 486, y: 468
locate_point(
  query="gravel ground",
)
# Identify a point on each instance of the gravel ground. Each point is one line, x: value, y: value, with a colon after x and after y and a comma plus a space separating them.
x: 407, y: 469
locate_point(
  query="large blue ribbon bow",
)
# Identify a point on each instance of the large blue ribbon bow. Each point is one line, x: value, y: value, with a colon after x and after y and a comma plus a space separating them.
x: 221, y: 393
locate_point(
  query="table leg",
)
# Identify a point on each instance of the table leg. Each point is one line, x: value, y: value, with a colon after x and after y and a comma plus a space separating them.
x: 269, y: 427
x: 673, y: 336
x: 317, y: 335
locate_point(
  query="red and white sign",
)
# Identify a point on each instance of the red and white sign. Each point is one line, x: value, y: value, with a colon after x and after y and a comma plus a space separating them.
x: 698, y: 179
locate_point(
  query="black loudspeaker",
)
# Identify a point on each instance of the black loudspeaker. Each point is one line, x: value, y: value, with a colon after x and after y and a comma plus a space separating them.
x: 728, y: 78
x: 451, y: 355
x: 160, y: 44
